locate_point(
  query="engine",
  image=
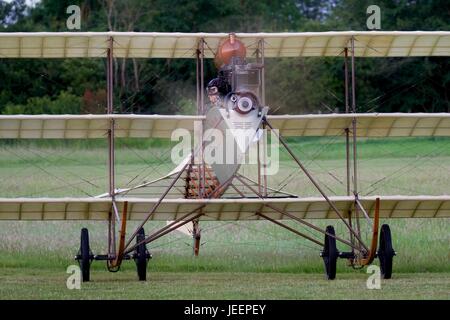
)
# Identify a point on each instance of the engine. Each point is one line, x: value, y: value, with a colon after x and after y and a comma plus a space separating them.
x: 236, y: 110
x: 240, y: 82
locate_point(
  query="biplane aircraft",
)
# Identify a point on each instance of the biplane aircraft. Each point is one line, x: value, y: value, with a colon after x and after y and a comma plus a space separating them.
x: 240, y: 89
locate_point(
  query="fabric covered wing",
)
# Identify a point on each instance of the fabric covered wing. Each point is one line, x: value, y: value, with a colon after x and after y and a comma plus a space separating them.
x: 219, y: 209
x: 184, y: 45
x: 162, y: 126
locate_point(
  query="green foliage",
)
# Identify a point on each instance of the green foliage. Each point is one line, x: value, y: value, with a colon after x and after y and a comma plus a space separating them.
x: 64, y: 103
x: 395, y: 15
x: 167, y: 86
x: 311, y: 85
x: 187, y: 106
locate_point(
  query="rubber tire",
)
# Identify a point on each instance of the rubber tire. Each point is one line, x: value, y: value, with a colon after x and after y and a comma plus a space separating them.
x: 386, y: 252
x: 85, y: 253
x: 330, y: 254
x: 141, y: 256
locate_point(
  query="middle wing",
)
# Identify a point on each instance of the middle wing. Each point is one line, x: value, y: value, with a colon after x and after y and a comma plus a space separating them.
x: 91, y: 126
x: 161, y: 126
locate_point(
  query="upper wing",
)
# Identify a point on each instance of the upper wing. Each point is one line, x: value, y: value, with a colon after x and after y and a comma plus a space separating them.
x: 147, y: 126
x: 184, y: 45
x: 219, y: 209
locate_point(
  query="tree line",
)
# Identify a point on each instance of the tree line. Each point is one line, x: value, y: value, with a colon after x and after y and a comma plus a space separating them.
x: 167, y: 86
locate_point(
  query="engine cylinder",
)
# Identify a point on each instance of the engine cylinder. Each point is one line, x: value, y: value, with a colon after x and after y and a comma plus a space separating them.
x: 230, y: 48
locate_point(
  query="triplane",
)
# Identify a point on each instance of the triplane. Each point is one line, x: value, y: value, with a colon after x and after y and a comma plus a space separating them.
x: 201, y: 190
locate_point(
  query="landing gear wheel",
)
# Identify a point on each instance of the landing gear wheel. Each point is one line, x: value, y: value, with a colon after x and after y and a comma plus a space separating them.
x: 330, y: 254
x: 85, y: 256
x: 386, y: 252
x: 140, y: 256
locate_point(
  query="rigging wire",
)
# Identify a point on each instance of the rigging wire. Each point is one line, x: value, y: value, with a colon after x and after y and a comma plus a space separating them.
x: 46, y: 171
x: 295, y: 174
x: 62, y: 168
x: 147, y: 163
x: 409, y: 164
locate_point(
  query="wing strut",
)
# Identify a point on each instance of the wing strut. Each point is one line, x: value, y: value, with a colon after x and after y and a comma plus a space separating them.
x: 332, y: 205
x: 115, y: 264
x: 373, y: 245
x: 283, y: 212
x: 156, y: 205
x: 111, y: 151
x: 178, y: 222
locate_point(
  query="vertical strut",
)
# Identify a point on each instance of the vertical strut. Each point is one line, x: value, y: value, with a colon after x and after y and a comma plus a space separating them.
x: 264, y: 163
x: 111, y: 153
x: 111, y: 124
x: 258, y: 144
x: 355, y: 164
x: 202, y: 112
x: 347, y: 131
x: 199, y: 110
x: 202, y: 78
x: 347, y: 143
x: 347, y: 158
x: 197, y: 79
x: 355, y: 171
x: 264, y: 136
x: 258, y: 150
x: 201, y: 165
x: 196, y: 235
x: 263, y: 78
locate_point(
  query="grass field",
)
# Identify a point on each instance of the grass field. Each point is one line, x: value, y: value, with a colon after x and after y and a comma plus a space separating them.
x: 48, y: 284
x: 238, y: 260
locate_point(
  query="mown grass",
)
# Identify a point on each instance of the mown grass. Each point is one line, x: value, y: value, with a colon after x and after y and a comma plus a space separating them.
x: 38, y: 253
x: 48, y: 284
